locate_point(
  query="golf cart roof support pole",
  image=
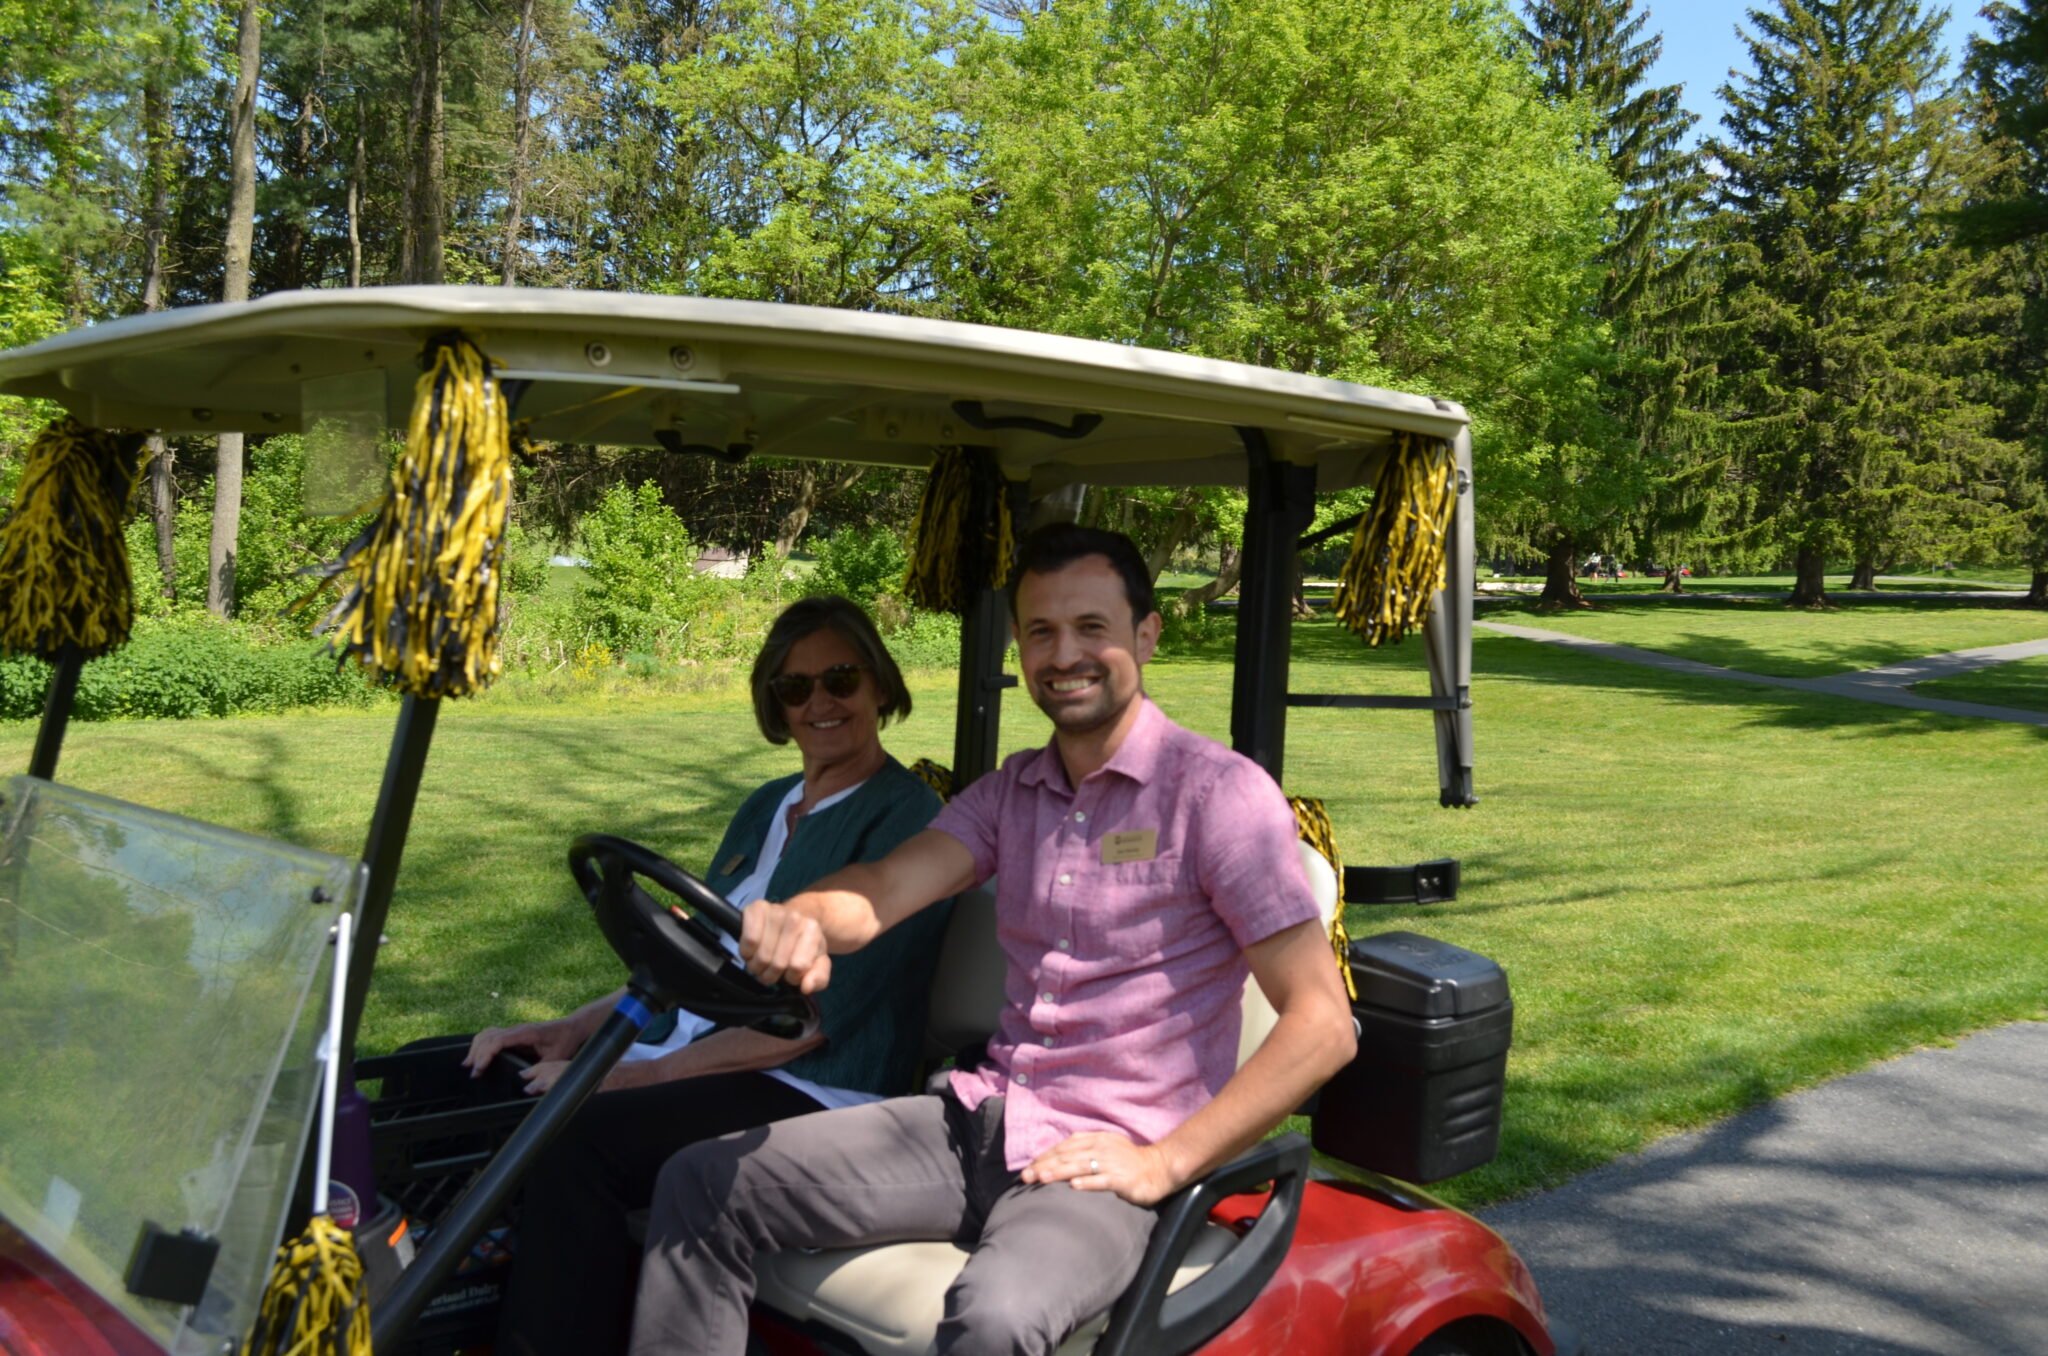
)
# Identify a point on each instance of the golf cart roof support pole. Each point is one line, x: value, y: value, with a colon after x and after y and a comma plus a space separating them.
x: 1447, y: 639
x: 984, y: 636
x: 56, y: 713
x: 403, y: 768
x: 1280, y: 501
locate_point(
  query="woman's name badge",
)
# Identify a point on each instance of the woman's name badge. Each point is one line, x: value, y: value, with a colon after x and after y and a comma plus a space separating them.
x: 1132, y: 845
x: 739, y: 860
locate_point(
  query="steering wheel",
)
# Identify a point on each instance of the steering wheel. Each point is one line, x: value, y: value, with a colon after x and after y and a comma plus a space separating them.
x: 678, y: 955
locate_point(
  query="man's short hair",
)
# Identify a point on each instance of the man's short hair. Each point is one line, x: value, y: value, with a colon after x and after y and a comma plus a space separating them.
x: 1058, y: 545
x: 807, y: 617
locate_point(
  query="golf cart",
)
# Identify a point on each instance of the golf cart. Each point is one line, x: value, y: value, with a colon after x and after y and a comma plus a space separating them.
x: 138, y: 1213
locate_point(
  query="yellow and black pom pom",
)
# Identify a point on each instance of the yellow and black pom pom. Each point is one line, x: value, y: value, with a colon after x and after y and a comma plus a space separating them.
x: 64, y: 581
x: 1312, y: 822
x: 937, y: 776
x: 1396, y: 565
x: 965, y: 540
x: 421, y: 605
x: 315, y: 1304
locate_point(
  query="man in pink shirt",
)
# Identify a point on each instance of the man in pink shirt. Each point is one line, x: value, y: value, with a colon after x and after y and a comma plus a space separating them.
x: 1142, y: 873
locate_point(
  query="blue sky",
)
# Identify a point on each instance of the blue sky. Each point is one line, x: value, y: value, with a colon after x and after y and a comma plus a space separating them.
x: 1700, y: 45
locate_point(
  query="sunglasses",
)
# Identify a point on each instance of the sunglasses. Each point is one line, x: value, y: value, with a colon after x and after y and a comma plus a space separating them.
x: 794, y: 689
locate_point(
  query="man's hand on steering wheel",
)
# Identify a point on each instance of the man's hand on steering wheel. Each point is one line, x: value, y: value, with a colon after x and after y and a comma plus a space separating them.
x: 781, y: 945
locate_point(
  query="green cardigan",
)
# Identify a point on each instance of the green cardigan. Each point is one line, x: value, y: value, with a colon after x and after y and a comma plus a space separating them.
x: 873, y: 1011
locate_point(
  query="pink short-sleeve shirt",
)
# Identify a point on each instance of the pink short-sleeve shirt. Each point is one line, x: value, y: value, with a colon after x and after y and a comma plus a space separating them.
x: 1124, y: 907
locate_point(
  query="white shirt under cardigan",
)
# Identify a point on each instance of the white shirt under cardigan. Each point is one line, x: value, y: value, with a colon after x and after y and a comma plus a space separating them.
x: 689, y: 1026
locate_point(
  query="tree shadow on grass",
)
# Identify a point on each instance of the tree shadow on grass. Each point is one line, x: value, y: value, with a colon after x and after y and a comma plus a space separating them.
x: 1510, y: 659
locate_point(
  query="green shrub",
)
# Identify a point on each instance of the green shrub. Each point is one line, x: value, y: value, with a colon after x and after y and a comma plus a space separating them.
x: 861, y: 563
x: 925, y: 640
x: 641, y: 590
x: 189, y: 664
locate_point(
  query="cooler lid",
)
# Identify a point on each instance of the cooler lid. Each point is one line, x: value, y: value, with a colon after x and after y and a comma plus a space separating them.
x: 1423, y: 977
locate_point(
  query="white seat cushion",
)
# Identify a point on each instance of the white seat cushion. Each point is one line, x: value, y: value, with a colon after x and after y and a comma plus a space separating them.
x: 889, y: 1298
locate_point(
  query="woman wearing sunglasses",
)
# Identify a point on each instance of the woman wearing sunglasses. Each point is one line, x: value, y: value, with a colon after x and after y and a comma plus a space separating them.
x: 824, y: 682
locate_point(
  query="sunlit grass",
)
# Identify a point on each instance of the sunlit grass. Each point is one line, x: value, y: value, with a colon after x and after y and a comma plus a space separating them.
x: 1767, y: 637
x: 2022, y: 683
x: 1705, y: 894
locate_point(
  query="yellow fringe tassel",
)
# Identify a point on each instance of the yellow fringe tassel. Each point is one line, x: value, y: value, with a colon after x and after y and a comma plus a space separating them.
x: 422, y: 602
x: 64, y: 580
x: 937, y: 776
x: 1312, y: 822
x: 315, y: 1304
x: 1396, y: 565
x: 965, y: 540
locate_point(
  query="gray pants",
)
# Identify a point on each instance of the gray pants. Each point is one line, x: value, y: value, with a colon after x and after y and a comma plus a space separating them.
x: 1045, y: 1258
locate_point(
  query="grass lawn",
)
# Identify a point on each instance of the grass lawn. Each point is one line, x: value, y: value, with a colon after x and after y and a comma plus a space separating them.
x: 2022, y: 683
x: 1767, y: 637
x: 1706, y: 894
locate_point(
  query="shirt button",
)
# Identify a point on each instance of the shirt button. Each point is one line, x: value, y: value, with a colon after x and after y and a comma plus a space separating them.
x: 1046, y: 997
x: 1080, y: 817
x: 1023, y: 1080
x: 1066, y: 878
x: 1066, y: 945
x: 1048, y: 1042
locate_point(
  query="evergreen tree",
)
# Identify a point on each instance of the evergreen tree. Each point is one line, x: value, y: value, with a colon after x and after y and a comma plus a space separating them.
x: 2008, y: 218
x: 1843, y: 408
x: 1627, y: 445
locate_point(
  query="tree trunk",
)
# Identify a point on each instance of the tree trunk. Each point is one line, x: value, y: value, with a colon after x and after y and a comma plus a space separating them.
x: 292, y: 270
x: 1560, y: 583
x: 156, y: 131
x: 799, y: 516
x: 424, y: 208
x: 1865, y: 575
x: 1175, y: 532
x: 355, y: 203
x: 1809, y: 588
x: 1674, y: 582
x: 227, y: 473
x: 1229, y: 564
x: 515, y: 191
x: 2039, y: 592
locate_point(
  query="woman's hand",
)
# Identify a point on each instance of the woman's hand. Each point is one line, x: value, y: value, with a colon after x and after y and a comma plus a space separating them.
x: 1101, y: 1161
x: 556, y: 1040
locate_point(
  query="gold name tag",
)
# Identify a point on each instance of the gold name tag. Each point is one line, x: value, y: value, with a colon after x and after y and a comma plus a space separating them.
x: 739, y: 860
x: 1132, y: 845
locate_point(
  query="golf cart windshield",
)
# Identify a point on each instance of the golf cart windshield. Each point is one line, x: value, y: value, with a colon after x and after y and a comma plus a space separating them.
x: 157, y: 1032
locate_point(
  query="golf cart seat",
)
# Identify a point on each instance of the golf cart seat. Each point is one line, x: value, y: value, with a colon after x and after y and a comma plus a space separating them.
x: 887, y: 1299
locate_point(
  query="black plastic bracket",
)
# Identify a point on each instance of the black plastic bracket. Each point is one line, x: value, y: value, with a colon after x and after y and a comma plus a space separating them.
x: 732, y: 454
x: 975, y: 416
x: 1153, y: 1318
x: 1431, y: 882
x: 168, y: 1266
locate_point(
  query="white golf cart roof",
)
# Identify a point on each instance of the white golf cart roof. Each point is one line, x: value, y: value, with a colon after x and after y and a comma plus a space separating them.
x: 633, y: 370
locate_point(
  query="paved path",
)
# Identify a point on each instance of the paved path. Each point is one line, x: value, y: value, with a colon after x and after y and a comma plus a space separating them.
x: 1899, y: 1210
x: 1886, y: 686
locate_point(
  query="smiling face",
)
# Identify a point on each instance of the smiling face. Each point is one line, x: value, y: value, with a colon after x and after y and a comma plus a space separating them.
x: 827, y: 729
x: 1078, y: 646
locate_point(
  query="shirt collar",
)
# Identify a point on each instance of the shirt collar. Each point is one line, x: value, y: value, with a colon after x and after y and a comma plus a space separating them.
x: 1137, y: 758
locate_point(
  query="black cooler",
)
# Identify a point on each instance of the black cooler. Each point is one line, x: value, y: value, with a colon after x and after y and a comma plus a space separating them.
x: 1422, y: 1099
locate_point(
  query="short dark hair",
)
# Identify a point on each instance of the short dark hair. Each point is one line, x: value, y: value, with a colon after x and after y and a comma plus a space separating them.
x: 1058, y: 545
x: 807, y: 617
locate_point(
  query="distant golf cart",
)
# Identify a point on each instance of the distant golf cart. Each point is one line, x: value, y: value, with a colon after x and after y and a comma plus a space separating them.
x: 159, y: 1002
